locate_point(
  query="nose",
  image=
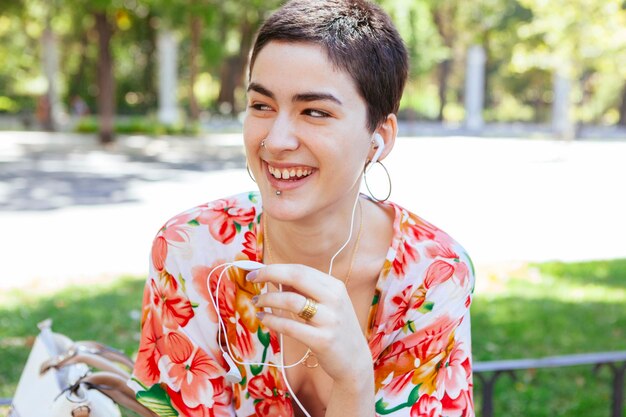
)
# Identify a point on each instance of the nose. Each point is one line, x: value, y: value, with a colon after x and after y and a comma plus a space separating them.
x: 281, y: 136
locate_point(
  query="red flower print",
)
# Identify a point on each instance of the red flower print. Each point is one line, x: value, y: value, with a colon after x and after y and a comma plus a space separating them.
x: 394, y: 369
x: 461, y: 406
x: 443, y: 251
x: 237, y: 310
x: 433, y: 339
x: 223, y: 217
x: 189, y: 370
x: 159, y: 253
x: 270, y: 389
x: 407, y: 254
x: 201, y: 281
x: 461, y: 273
x: 178, y: 347
x: 376, y: 342
x: 146, y: 366
x: 420, y: 353
x: 438, y: 272
x: 175, y: 230
x: 426, y: 406
x: 420, y: 230
x: 250, y: 245
x: 452, y: 377
x: 173, y: 305
x: 406, y: 301
x: 221, y: 402
x: 243, y: 346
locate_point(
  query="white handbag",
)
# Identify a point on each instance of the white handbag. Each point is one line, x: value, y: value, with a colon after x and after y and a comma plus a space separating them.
x: 63, y: 378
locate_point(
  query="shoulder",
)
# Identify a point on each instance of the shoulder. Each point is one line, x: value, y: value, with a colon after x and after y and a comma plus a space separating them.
x: 214, y: 225
x: 425, y: 253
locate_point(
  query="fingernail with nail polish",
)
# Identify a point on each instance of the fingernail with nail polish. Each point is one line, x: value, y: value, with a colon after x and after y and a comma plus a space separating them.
x: 255, y: 299
x: 252, y: 275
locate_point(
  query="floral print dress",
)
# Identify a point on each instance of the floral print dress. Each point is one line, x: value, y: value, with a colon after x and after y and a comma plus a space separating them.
x: 418, y: 330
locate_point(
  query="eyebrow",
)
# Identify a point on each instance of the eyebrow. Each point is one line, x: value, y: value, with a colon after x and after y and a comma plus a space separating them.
x: 306, y: 97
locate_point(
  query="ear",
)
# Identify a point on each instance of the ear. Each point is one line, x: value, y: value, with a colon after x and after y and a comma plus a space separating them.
x: 388, y: 130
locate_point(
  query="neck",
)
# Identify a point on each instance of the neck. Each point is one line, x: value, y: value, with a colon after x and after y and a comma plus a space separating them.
x: 314, y: 242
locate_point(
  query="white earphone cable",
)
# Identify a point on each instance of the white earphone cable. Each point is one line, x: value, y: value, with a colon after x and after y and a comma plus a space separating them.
x: 222, y: 326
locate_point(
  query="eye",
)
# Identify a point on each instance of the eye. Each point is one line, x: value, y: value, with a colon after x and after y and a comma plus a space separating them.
x: 319, y: 114
x: 260, y: 107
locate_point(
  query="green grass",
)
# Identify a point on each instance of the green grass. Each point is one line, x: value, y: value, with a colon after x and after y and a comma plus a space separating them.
x: 139, y: 125
x: 524, y: 312
x: 552, y: 309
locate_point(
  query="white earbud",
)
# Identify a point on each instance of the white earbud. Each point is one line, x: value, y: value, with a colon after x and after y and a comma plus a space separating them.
x: 380, y: 146
x: 233, y: 375
x: 247, y: 265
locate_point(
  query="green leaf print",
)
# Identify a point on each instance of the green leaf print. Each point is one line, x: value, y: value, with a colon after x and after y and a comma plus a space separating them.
x: 426, y: 307
x: 157, y: 400
x: 264, y: 337
x: 256, y: 369
x: 182, y: 282
x: 409, y: 327
x: 414, y: 395
x: 238, y: 227
x: 381, y: 406
x: 375, y: 299
x: 253, y: 197
x: 193, y: 222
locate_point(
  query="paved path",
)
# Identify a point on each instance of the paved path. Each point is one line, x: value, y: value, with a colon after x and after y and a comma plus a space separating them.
x: 71, y: 212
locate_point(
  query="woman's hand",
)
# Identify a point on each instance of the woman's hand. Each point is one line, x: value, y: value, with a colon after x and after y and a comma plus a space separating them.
x: 333, y: 334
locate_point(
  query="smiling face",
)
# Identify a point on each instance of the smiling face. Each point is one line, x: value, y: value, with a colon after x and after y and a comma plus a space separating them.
x: 313, y: 123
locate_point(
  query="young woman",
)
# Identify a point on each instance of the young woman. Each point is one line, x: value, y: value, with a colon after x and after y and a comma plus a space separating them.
x: 360, y: 308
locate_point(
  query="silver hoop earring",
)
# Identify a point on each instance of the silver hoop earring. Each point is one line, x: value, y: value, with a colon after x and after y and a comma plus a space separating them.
x: 367, y: 186
x: 250, y: 173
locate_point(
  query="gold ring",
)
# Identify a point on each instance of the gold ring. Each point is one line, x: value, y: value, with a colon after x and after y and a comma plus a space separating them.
x: 309, y: 310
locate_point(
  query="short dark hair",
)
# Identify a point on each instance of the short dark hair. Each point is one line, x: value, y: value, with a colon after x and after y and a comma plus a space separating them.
x: 359, y: 39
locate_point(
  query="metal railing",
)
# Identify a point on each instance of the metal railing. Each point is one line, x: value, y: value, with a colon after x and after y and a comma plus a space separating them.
x: 489, y: 372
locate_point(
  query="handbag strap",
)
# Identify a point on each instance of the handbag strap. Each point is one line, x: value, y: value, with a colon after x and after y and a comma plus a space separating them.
x: 73, y: 356
x: 114, y: 386
x: 108, y: 352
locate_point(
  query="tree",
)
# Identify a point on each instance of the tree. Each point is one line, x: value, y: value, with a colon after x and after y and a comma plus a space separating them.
x: 586, y: 39
x: 240, y: 20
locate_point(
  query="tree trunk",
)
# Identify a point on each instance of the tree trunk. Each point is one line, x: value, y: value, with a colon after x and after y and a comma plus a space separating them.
x: 488, y: 69
x: 622, y: 109
x: 443, y: 76
x: 149, y: 81
x: 442, y: 17
x: 232, y: 71
x: 196, y: 27
x: 78, y: 79
x: 51, y: 68
x: 106, y: 83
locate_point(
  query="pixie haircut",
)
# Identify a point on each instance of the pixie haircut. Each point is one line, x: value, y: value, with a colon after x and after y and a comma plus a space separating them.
x: 359, y: 39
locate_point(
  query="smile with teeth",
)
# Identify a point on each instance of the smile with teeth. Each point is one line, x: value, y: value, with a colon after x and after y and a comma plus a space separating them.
x: 289, y: 173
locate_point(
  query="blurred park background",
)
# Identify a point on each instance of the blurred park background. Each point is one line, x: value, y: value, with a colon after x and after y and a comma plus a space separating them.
x: 117, y: 114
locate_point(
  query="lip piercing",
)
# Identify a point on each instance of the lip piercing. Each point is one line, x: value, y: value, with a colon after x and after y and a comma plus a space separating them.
x: 263, y: 144
x: 278, y: 192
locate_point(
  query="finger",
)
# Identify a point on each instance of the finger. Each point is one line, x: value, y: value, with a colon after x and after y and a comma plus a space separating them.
x: 306, y: 280
x: 301, y: 331
x: 291, y: 302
